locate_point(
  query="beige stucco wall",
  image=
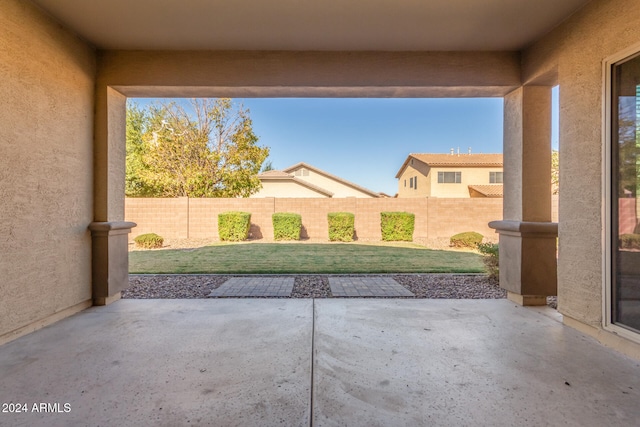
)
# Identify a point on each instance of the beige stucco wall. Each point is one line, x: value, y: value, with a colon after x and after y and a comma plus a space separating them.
x: 46, y: 138
x: 428, y: 185
x: 469, y: 176
x: 337, y: 188
x: 572, y: 56
x: 414, y: 169
x: 285, y: 188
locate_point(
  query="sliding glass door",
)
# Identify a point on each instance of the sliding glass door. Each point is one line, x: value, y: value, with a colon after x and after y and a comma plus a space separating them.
x: 625, y: 193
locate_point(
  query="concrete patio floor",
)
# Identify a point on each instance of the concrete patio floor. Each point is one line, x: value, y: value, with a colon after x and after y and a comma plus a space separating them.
x: 328, y: 362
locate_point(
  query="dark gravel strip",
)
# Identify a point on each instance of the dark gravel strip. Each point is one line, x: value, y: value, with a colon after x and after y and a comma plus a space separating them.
x: 311, y: 287
x: 172, y: 286
x: 452, y: 286
x: 161, y: 286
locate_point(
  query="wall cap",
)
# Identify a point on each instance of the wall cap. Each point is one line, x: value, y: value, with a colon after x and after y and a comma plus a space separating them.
x: 111, y: 227
x: 525, y: 227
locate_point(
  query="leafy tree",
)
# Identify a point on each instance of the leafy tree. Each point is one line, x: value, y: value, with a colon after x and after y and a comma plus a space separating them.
x: 555, y: 171
x: 268, y: 166
x: 209, y: 152
x: 137, y: 121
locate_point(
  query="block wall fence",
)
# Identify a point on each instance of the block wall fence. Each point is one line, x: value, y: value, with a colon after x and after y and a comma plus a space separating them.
x: 198, y: 218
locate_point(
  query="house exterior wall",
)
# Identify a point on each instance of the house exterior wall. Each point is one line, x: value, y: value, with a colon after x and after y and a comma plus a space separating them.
x: 337, y: 188
x: 572, y: 56
x: 46, y: 138
x: 414, y: 169
x: 285, y: 188
x: 428, y: 185
x: 469, y: 176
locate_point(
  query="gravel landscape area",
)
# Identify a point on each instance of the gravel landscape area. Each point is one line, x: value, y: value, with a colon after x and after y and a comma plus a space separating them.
x: 456, y: 286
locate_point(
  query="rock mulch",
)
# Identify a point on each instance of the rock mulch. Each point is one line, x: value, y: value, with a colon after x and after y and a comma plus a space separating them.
x: 159, y: 286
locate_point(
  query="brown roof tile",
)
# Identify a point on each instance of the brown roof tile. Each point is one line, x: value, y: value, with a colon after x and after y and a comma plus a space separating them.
x: 274, y: 174
x: 334, y: 177
x: 459, y: 159
x: 454, y: 160
x: 490, y: 190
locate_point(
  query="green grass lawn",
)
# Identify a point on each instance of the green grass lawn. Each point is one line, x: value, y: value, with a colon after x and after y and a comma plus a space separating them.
x: 269, y: 258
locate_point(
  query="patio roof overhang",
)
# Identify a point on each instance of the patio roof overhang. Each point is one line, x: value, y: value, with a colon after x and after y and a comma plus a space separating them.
x: 331, y: 25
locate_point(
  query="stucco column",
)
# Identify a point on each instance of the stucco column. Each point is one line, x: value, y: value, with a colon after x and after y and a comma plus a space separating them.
x: 109, y: 231
x: 528, y: 266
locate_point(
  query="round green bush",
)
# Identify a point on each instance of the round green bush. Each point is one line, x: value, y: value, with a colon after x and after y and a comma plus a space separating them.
x: 234, y: 226
x: 468, y: 239
x: 341, y: 226
x: 397, y: 226
x: 149, y: 241
x: 286, y: 226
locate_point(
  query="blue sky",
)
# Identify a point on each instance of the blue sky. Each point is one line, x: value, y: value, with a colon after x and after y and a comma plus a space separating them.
x: 366, y: 140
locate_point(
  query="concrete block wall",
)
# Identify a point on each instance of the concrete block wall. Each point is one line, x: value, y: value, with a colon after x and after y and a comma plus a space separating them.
x: 451, y: 216
x: 169, y: 215
x: 203, y: 216
x: 197, y: 218
x: 314, y: 213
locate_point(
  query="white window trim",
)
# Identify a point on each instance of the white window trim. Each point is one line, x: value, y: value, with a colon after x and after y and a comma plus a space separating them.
x: 607, y: 297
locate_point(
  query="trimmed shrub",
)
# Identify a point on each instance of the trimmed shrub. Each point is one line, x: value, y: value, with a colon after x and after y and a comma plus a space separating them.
x: 286, y: 226
x: 234, y: 226
x: 491, y: 258
x: 341, y: 226
x: 149, y: 241
x: 630, y: 241
x: 397, y: 226
x: 468, y: 239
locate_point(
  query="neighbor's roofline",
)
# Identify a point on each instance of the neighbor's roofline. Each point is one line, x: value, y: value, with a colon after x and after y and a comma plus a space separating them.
x: 328, y: 175
x: 451, y: 164
x: 297, y: 181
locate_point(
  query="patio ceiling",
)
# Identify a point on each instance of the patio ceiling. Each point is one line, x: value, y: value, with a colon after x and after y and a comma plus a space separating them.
x: 329, y: 25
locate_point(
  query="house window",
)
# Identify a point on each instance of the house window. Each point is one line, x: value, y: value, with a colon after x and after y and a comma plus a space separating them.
x: 405, y: 183
x: 415, y: 183
x: 302, y: 172
x: 449, y: 177
x: 411, y: 182
x: 495, y: 177
x: 624, y: 191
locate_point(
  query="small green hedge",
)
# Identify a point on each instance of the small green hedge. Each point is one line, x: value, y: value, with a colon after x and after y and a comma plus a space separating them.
x: 234, y: 226
x: 286, y: 226
x: 630, y: 241
x: 397, y: 226
x: 341, y: 226
x: 491, y: 252
x: 468, y: 239
x: 149, y: 241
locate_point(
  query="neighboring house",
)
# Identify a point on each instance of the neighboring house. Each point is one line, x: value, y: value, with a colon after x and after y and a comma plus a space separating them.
x: 451, y: 175
x: 304, y: 180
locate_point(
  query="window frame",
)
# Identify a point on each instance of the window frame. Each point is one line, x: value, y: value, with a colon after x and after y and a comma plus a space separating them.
x: 608, y: 66
x: 495, y: 175
x: 457, y: 177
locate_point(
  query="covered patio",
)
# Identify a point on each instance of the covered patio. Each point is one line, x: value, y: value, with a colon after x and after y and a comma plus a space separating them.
x: 67, y: 68
x: 356, y: 362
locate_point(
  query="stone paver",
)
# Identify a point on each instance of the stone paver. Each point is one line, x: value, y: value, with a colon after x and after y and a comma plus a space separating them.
x: 367, y: 287
x: 255, y: 287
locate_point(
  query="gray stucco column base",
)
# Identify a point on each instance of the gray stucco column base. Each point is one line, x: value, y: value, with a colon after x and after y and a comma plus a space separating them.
x: 528, y: 263
x: 110, y: 259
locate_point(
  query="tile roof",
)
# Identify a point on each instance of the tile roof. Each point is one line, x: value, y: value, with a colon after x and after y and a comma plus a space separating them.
x: 454, y: 160
x: 275, y: 175
x: 335, y: 178
x: 490, y: 190
x: 459, y: 159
